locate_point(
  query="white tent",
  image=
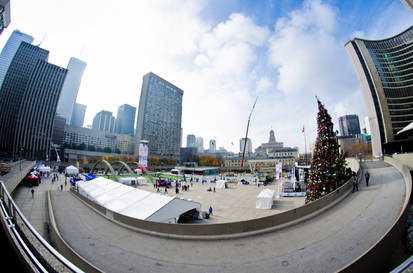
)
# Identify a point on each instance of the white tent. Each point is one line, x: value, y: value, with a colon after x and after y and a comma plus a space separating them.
x: 71, y: 170
x: 265, y: 199
x: 221, y: 184
x: 141, y: 180
x: 128, y: 180
x: 44, y: 169
x: 134, y: 202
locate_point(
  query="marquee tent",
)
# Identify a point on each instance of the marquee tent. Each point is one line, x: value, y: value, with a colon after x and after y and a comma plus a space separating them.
x: 221, y: 184
x: 71, y: 170
x: 265, y: 199
x: 134, y: 202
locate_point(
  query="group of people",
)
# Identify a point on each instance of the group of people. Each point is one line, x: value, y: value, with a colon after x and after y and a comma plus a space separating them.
x: 355, y: 182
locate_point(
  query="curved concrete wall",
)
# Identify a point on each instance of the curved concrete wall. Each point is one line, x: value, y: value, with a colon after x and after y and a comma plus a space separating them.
x: 64, y: 248
x: 232, y: 229
x: 375, y: 258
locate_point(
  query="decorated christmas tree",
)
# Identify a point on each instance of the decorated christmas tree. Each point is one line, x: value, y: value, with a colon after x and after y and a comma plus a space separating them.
x: 328, y: 168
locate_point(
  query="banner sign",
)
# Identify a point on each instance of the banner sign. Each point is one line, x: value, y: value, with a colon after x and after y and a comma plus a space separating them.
x: 143, y: 154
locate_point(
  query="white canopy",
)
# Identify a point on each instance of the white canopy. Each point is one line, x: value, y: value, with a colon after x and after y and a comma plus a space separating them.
x: 141, y: 180
x: 221, y: 184
x: 265, y: 199
x: 71, y: 170
x: 134, y: 202
x: 44, y: 169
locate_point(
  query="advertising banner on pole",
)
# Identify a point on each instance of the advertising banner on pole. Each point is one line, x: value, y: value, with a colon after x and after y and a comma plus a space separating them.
x: 143, y: 154
x: 278, y: 170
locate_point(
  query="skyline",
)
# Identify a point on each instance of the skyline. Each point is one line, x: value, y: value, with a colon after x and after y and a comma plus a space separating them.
x: 223, y: 55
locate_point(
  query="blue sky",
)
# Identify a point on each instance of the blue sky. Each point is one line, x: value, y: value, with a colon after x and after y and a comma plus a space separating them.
x: 223, y: 54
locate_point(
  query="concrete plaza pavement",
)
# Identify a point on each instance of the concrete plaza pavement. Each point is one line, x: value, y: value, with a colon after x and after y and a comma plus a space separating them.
x: 324, y: 243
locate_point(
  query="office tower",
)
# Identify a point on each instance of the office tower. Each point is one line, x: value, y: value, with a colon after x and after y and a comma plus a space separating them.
x: 199, y: 143
x: 78, y: 115
x: 159, y: 117
x: 385, y: 72
x: 9, y: 50
x: 349, y: 125
x: 212, y: 146
x: 70, y: 89
x: 104, y: 121
x: 248, y: 148
x: 190, y: 141
x: 28, y: 101
x: 4, y: 14
x: 125, y: 120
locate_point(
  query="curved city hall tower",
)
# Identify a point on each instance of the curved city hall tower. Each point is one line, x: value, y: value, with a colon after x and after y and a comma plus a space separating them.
x: 384, y: 69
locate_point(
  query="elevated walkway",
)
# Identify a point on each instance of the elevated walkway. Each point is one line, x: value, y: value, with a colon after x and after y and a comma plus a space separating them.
x: 325, y: 243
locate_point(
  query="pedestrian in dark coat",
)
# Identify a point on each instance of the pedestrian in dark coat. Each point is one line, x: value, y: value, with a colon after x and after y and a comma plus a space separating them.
x: 367, y: 176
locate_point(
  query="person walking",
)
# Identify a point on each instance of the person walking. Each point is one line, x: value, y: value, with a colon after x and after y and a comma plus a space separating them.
x: 210, y: 209
x: 32, y: 193
x: 355, y: 184
x: 367, y: 177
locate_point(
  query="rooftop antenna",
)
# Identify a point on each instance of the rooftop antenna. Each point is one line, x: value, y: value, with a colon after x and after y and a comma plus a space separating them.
x: 246, y: 135
x: 41, y: 41
x: 81, y: 51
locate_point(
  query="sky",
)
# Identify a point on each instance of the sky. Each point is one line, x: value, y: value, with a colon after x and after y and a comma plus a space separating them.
x: 224, y: 54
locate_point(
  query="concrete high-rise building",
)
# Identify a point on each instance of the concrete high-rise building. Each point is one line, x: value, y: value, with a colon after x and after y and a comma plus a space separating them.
x: 78, y: 115
x: 190, y: 141
x: 104, y: 121
x: 71, y: 86
x: 125, y: 120
x: 384, y: 69
x: 10, y: 49
x: 28, y: 101
x: 4, y: 14
x: 349, y: 125
x: 212, y: 146
x: 159, y: 117
x: 248, y: 148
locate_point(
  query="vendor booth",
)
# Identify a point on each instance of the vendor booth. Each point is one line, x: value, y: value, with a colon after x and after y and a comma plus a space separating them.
x: 71, y: 170
x: 265, y: 199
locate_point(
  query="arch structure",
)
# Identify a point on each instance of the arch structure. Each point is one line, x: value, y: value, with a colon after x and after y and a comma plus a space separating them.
x: 109, y: 167
x: 143, y: 167
x: 124, y: 166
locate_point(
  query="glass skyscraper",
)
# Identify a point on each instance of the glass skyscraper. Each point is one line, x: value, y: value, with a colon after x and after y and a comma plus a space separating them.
x: 28, y: 101
x: 104, y: 121
x: 125, y: 120
x: 70, y: 89
x: 385, y: 71
x: 159, y: 117
x: 10, y: 49
x: 349, y: 125
x: 78, y: 115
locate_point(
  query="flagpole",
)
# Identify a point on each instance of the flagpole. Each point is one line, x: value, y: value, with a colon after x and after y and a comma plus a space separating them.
x: 305, y: 147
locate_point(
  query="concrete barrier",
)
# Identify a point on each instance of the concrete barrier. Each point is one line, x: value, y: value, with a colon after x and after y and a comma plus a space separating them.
x: 64, y: 248
x: 232, y: 229
x: 375, y: 258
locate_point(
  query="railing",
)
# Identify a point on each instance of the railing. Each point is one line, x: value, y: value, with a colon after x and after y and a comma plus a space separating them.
x: 36, y: 251
x: 406, y: 266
